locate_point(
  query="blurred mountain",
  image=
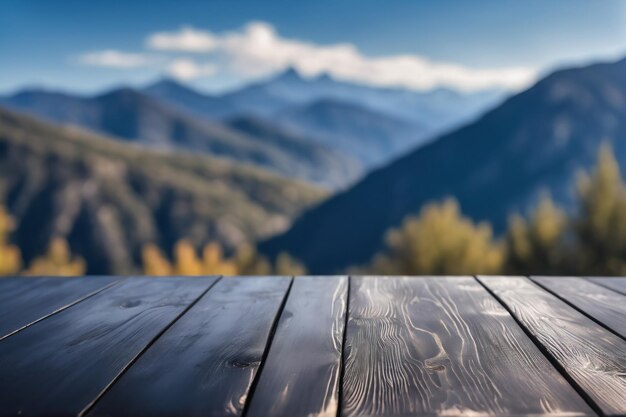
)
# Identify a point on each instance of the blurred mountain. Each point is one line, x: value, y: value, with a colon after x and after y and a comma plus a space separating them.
x: 369, y: 136
x: 108, y: 198
x: 435, y: 109
x: 319, y: 158
x: 137, y: 117
x: 372, y: 124
x: 204, y: 105
x: 499, y: 164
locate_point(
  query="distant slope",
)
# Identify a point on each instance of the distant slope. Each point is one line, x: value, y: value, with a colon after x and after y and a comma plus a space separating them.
x: 536, y: 140
x: 369, y: 136
x: 108, y: 198
x: 134, y: 116
x: 188, y: 99
x: 314, y: 160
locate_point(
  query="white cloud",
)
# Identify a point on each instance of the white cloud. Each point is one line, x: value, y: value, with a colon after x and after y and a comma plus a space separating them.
x: 116, y: 59
x: 187, y: 39
x: 187, y: 69
x: 258, y: 50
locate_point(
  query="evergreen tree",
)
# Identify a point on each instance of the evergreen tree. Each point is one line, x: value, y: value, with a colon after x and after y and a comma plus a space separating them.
x: 439, y: 242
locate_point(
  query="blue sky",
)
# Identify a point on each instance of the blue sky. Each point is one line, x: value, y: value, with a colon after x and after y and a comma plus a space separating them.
x: 468, y: 45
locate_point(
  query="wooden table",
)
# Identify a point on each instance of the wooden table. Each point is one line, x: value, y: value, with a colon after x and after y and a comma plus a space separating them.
x: 312, y: 346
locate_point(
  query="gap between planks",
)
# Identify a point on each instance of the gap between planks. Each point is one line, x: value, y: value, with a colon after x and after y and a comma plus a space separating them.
x: 58, y: 310
x: 89, y: 406
x: 555, y: 363
x: 268, y: 346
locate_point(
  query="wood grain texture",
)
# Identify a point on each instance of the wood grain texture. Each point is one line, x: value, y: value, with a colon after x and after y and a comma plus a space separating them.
x: 613, y: 283
x: 57, y: 366
x: 300, y: 376
x: 606, y: 306
x: 443, y: 346
x: 592, y: 356
x: 25, y: 300
x: 204, y: 364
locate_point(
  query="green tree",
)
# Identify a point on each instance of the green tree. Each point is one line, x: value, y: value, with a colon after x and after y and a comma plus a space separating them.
x: 10, y: 255
x: 439, y: 242
x: 538, y: 245
x: 600, y: 226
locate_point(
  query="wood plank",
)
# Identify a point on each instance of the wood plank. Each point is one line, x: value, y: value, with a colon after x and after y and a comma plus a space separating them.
x: 205, y: 364
x: 300, y: 376
x: 614, y: 283
x: 594, y: 358
x: 443, y: 346
x: 605, y: 306
x: 25, y: 300
x: 58, y: 366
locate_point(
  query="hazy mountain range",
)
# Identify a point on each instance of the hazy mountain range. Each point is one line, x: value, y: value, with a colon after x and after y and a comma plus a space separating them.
x: 372, y: 124
x: 134, y: 116
x: 499, y: 164
x: 320, y: 130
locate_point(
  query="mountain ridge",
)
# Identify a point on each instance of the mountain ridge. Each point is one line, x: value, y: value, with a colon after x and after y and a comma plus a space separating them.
x: 134, y: 116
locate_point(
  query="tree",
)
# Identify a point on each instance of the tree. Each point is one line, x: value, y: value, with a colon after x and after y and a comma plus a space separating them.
x: 214, y: 262
x: 186, y: 262
x: 287, y: 265
x: 538, y: 245
x: 246, y: 261
x: 439, y: 242
x: 57, y: 261
x: 600, y: 226
x: 10, y: 255
x: 249, y: 262
x: 155, y: 263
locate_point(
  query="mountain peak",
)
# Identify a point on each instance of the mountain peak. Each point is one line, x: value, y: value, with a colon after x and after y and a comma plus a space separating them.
x: 166, y: 83
x: 290, y: 74
x: 324, y: 77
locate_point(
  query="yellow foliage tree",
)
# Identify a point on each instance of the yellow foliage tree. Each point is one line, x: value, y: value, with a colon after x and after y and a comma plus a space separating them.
x: 601, y: 223
x: 246, y: 261
x: 57, y: 261
x: 287, y: 265
x: 439, y: 242
x: 155, y: 263
x: 537, y: 245
x: 10, y: 256
x: 249, y: 262
x: 186, y: 261
x: 214, y: 262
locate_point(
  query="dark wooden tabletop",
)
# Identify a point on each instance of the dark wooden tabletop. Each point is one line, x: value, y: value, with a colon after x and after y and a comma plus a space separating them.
x: 313, y: 346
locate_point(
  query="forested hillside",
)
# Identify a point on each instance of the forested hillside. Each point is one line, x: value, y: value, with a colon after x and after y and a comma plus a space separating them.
x: 108, y: 198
